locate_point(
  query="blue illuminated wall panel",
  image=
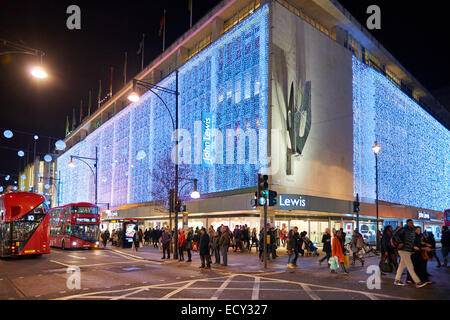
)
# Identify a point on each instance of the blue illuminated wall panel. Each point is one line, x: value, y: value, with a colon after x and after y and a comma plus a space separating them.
x: 414, y: 161
x: 229, y: 79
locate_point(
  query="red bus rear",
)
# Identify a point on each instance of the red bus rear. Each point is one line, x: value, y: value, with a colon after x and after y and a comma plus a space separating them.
x: 447, y: 217
x: 24, y: 224
x: 76, y: 225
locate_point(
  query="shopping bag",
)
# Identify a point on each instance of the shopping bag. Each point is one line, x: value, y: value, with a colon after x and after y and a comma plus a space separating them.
x: 333, y: 263
x: 346, y: 261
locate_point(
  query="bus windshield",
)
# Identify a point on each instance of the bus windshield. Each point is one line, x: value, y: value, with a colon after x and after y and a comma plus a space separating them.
x: 85, y: 210
x: 86, y: 232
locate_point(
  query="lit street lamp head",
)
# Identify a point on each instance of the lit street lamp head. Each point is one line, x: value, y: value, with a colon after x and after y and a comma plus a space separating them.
x: 133, y: 97
x: 38, y: 72
x: 195, y: 194
x: 71, y: 164
x: 376, y: 148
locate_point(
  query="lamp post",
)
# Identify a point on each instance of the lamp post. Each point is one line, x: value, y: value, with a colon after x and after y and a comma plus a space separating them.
x: 134, y: 97
x: 17, y: 48
x: 54, y: 184
x: 72, y: 164
x: 376, y: 148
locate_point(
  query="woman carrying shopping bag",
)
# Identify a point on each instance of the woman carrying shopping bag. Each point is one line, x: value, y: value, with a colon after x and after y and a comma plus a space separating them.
x: 338, y: 251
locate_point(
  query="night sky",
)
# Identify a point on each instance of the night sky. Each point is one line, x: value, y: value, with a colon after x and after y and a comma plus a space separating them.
x: 77, y: 59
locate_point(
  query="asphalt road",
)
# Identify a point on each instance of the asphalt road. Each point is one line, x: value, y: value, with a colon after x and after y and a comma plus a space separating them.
x: 124, y: 274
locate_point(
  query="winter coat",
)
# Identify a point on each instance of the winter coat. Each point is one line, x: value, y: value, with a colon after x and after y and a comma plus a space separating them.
x: 337, y: 250
x: 215, y: 242
x: 290, y: 244
x: 326, y: 243
x: 166, y: 238
x: 188, y: 241
x: 181, y: 238
x: 406, y: 235
x: 204, y: 244
x: 445, y: 239
x: 224, y: 240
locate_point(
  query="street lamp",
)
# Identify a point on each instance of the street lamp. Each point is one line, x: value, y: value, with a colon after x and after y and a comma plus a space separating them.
x: 376, y: 148
x: 72, y: 165
x: 36, y: 71
x: 134, y: 97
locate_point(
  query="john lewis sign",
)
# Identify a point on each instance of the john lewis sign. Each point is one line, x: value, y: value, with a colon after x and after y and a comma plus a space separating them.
x: 292, y: 202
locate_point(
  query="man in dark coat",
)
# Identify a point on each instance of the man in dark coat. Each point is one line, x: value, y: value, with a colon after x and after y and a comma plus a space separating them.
x: 224, y: 243
x: 204, y: 249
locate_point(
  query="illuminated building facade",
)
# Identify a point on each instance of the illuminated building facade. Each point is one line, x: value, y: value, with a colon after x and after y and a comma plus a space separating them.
x: 282, y: 89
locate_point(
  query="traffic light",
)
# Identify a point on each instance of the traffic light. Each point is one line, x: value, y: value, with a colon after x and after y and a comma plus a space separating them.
x: 179, y: 207
x: 263, y: 189
x: 272, y: 198
x: 356, y: 206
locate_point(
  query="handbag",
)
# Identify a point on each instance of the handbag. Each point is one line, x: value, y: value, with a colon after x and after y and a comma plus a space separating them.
x: 386, y: 266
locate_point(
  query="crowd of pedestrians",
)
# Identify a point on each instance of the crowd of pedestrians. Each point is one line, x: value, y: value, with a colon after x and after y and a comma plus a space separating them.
x: 405, y: 247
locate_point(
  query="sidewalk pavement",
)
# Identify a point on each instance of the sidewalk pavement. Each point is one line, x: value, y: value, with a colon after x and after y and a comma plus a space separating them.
x: 249, y: 263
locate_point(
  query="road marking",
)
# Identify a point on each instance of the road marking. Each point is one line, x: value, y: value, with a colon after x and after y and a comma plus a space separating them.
x: 76, y: 257
x: 221, y: 288
x: 167, y: 296
x: 63, y: 264
x: 255, y: 293
x: 310, y: 293
x: 133, y: 257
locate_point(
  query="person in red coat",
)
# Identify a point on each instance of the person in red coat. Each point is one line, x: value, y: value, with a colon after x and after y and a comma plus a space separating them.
x: 181, y: 245
x: 338, y: 251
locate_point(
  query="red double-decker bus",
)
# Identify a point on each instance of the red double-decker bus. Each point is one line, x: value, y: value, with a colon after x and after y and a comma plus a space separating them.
x: 75, y: 225
x: 24, y: 224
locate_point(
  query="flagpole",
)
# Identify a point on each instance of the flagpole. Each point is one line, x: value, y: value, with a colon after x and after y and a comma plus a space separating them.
x: 111, y: 83
x: 143, y: 48
x: 81, y: 110
x: 99, y: 92
x: 125, y: 69
x: 164, y: 31
x: 191, y: 5
x: 90, y: 103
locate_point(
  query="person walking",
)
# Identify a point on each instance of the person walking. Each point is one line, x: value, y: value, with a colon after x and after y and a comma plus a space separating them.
x: 188, y: 243
x: 180, y: 245
x: 215, y: 247
x: 337, y: 250
x: 420, y: 258
x: 405, y: 238
x: 326, y: 240
x: 278, y: 236
x: 291, y: 249
x: 254, y: 239
x: 388, y: 253
x: 357, y: 245
x: 247, y: 237
x: 166, y: 239
x: 298, y: 245
x: 204, y: 246
x: 224, y: 243
x: 105, y: 237
x: 137, y: 241
x: 445, y: 242
x: 429, y: 239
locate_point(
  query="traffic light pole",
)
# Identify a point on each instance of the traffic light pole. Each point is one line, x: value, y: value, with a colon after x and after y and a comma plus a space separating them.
x: 357, y: 213
x: 175, y: 251
x: 265, y: 235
